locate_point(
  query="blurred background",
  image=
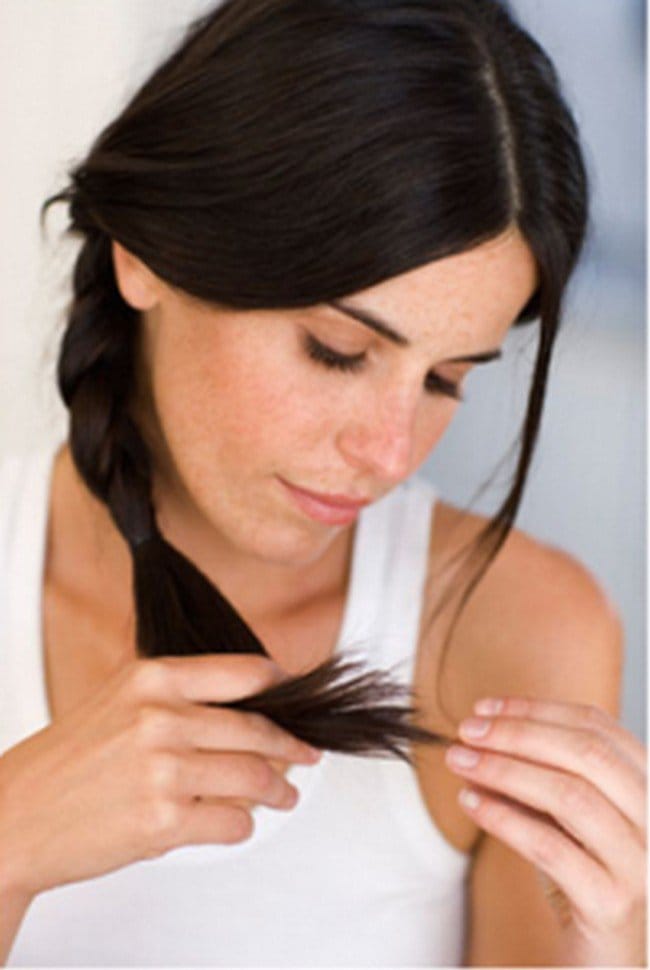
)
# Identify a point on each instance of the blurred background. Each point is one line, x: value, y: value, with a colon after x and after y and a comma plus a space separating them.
x: 66, y: 66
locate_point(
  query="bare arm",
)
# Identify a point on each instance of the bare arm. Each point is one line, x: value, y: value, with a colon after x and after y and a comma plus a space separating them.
x: 576, y: 658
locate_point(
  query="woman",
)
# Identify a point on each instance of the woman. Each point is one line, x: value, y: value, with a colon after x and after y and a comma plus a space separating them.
x: 298, y: 237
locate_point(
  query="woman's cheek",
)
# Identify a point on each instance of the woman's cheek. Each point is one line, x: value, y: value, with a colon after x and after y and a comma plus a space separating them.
x: 258, y: 413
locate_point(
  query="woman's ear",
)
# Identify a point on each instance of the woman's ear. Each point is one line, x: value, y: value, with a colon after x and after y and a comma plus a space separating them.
x: 138, y: 286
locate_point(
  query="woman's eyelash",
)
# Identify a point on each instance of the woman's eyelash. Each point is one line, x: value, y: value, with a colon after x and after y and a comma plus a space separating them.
x: 325, y: 355
x: 440, y: 385
x: 351, y: 363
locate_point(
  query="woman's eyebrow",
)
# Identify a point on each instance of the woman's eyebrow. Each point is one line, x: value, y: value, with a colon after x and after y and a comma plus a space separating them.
x: 386, y: 330
x: 372, y: 321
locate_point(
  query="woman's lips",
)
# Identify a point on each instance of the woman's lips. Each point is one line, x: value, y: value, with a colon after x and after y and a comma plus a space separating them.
x: 324, y: 509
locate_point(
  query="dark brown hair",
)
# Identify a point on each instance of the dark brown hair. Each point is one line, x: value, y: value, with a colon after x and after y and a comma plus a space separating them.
x: 285, y: 154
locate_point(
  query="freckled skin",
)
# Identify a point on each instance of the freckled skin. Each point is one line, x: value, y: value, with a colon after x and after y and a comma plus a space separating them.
x: 230, y: 400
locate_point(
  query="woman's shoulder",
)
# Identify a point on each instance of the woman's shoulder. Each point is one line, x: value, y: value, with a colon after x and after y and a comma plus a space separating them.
x: 539, y: 623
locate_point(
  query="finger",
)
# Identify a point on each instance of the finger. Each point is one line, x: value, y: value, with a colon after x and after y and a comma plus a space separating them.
x: 214, y: 822
x: 590, y: 755
x: 575, y: 804
x: 586, y: 884
x: 221, y: 678
x: 576, y: 715
x: 225, y: 774
x: 214, y: 727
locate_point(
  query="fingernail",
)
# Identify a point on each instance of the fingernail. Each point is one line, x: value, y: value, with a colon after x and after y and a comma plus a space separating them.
x: 463, y: 757
x: 314, y: 754
x: 475, y: 727
x: 488, y: 705
x: 469, y: 798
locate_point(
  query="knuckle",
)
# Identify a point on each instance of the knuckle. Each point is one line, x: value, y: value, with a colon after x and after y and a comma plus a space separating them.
x: 595, y: 750
x: 259, y: 775
x: 259, y: 725
x: 520, y: 706
x: 545, y: 848
x: 596, y: 716
x: 154, y: 724
x: 263, y: 673
x: 162, y: 772
x: 148, y: 678
x: 575, y: 796
x: 268, y: 733
x: 511, y: 734
x: 163, y: 823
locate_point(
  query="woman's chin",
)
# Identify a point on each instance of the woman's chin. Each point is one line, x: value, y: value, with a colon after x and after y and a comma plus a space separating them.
x: 293, y: 546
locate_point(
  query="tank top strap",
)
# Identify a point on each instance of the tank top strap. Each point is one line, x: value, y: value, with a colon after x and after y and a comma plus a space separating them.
x: 388, y: 574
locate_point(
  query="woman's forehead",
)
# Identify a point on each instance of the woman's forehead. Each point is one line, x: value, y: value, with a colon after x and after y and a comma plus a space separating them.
x: 486, y: 286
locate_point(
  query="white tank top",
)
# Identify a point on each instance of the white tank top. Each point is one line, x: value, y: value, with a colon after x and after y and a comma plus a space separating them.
x: 356, y: 875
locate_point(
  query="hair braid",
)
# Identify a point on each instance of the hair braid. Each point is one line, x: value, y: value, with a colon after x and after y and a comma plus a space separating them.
x: 95, y: 378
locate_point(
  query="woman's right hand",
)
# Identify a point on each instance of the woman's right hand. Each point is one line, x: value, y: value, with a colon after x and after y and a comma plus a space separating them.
x: 141, y: 767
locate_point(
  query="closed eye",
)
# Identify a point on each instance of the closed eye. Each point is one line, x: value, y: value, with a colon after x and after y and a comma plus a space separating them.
x: 352, y: 363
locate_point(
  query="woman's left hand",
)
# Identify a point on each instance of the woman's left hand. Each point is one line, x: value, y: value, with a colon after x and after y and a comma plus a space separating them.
x: 574, y: 782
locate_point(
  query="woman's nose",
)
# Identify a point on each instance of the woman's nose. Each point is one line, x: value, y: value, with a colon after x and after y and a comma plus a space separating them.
x: 383, y: 445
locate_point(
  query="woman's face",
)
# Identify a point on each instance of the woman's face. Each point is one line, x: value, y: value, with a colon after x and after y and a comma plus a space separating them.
x: 235, y: 402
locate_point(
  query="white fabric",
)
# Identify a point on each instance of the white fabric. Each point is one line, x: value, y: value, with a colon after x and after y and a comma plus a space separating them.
x: 356, y: 875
